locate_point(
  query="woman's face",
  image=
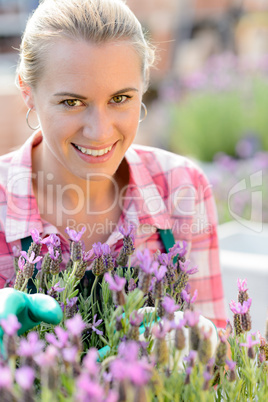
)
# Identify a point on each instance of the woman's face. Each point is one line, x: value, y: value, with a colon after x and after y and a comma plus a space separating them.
x: 88, y: 101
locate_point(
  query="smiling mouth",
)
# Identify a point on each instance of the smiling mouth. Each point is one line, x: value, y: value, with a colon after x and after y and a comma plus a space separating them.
x: 93, y: 152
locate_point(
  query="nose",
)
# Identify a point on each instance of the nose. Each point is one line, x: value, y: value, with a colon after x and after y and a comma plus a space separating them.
x: 98, y: 124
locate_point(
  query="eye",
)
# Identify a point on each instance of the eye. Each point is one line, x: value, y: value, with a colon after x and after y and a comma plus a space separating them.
x: 120, y: 99
x: 72, y: 103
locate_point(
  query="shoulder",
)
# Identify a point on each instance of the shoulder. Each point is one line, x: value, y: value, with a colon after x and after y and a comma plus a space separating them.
x: 5, y: 162
x: 158, y: 161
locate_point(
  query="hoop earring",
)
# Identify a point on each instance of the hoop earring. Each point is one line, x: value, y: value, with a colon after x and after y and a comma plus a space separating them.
x: 145, y: 112
x: 27, y: 120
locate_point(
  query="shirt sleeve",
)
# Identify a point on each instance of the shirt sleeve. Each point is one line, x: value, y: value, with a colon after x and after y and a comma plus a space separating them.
x: 195, y: 220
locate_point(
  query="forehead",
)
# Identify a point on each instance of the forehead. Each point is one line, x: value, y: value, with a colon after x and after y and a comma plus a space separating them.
x: 82, y: 63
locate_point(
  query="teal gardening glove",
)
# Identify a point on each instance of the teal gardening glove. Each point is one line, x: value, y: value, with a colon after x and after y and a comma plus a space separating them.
x: 30, y: 309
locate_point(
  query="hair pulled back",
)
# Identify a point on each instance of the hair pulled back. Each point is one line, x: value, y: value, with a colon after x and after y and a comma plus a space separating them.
x: 97, y: 21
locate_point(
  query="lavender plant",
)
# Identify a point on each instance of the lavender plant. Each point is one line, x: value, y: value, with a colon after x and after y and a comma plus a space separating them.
x: 113, y: 346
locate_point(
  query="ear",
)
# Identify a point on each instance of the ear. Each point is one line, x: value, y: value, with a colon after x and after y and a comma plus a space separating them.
x: 27, y: 93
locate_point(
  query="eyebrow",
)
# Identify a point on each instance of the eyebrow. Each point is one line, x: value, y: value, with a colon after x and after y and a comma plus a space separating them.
x: 73, y: 95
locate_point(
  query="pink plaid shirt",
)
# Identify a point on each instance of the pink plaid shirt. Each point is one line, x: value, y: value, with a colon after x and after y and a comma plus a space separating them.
x: 166, y: 191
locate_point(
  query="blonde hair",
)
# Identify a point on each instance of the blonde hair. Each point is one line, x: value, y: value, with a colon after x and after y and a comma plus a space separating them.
x: 97, y: 21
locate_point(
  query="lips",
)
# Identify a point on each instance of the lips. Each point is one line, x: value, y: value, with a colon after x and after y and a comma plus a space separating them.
x: 93, y: 152
x: 91, y: 155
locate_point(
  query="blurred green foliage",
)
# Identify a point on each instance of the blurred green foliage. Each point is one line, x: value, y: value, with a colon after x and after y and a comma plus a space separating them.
x: 206, y: 122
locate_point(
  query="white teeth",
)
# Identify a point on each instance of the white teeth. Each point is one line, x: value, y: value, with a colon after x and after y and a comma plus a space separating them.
x: 94, y: 152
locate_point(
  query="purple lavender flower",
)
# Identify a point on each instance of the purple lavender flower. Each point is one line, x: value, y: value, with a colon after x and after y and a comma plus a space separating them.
x: 250, y: 342
x: 25, y: 377
x: 136, y: 319
x: 52, y: 240
x: 21, y: 263
x: 231, y: 364
x: 69, y: 303
x: 36, y: 236
x: 146, y: 262
x: 207, y: 377
x: 188, y: 372
x: 47, y: 358
x: 10, y: 325
x: 128, y: 232
x: 187, y: 297
x: 127, y: 365
x: 165, y: 259
x: 55, y: 289
x: 88, y: 255
x: 99, y: 249
x: 70, y: 354
x: 242, y: 285
x: 16, y: 251
x: 6, y: 379
x: 31, y: 259
x: 238, y: 308
x: 160, y: 272
x: 51, y: 251
x: 75, y: 236
x: 190, y: 359
x: 116, y: 284
x: 75, y: 325
x: 182, y: 322
x: 31, y: 346
x: 131, y: 285
x: 184, y: 266
x: 169, y: 305
x: 88, y: 390
x: 161, y: 329
x: 62, y: 339
x: 95, y: 324
x: 90, y: 363
x: 192, y: 317
x: 178, y: 249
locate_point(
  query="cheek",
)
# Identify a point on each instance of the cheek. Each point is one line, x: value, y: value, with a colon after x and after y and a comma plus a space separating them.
x: 130, y: 123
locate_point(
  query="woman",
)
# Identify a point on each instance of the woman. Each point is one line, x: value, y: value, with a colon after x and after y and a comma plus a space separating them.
x: 83, y: 69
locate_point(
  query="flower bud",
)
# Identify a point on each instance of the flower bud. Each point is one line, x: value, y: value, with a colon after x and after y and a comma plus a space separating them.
x: 221, y: 354
x: 194, y: 337
x: 144, y: 282
x: 181, y: 282
x: 242, y: 296
x: 28, y: 270
x: 246, y: 321
x: 76, y: 250
x: 237, y: 324
x: 19, y: 280
x: 128, y: 245
x: 134, y: 333
x: 204, y: 350
x: 36, y: 248
x: 160, y: 309
x: 232, y: 376
x: 180, y: 340
x: 158, y: 291
x: 122, y: 259
x: 161, y: 351
x: 81, y: 269
x: 98, y: 267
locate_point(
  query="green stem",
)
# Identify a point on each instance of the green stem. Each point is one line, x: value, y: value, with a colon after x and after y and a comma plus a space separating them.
x: 45, y: 280
x: 94, y: 295
x: 24, y: 285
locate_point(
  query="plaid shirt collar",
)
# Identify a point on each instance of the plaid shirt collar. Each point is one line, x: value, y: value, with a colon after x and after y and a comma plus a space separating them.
x: 143, y: 205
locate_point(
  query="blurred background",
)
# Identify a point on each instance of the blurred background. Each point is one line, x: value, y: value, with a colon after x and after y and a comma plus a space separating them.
x: 208, y: 99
